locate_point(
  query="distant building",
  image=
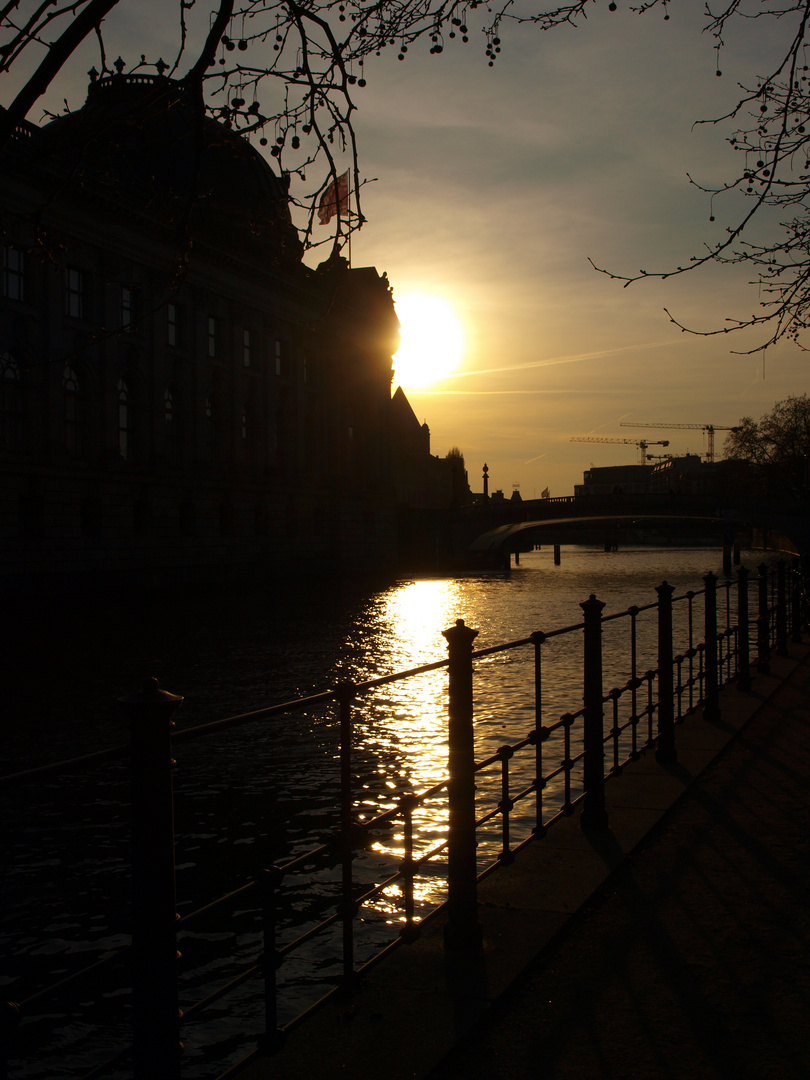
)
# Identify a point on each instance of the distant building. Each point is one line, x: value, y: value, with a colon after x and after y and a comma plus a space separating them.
x: 178, y: 392
x: 686, y: 475
x: 616, y: 480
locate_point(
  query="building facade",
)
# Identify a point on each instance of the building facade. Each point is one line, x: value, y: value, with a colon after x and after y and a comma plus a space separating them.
x: 181, y: 395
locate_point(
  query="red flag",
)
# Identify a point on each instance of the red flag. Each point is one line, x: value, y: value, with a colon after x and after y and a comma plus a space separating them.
x: 335, y: 200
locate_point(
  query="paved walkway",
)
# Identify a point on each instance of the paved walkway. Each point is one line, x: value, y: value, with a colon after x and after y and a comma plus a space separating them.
x: 694, y: 960
x: 675, y: 945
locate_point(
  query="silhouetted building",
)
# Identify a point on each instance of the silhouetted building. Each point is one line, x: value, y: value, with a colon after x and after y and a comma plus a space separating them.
x: 616, y: 480
x: 178, y: 391
x: 419, y: 479
x: 686, y: 475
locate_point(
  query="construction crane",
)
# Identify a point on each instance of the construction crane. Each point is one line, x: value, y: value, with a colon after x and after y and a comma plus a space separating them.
x: 708, y: 428
x: 642, y: 444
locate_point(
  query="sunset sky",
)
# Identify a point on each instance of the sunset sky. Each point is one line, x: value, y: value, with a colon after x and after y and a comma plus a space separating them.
x: 494, y: 187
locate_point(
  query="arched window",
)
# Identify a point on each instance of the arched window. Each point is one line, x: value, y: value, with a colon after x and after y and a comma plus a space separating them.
x: 172, y: 422
x: 213, y: 417
x: 125, y: 441
x: 11, y: 403
x: 74, y: 411
x: 250, y: 435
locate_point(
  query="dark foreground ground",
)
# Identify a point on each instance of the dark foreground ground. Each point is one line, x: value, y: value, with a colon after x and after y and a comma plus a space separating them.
x: 676, y: 945
x: 693, y: 961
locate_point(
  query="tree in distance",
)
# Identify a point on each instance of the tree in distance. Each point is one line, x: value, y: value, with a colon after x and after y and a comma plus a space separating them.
x: 776, y: 447
x: 293, y: 72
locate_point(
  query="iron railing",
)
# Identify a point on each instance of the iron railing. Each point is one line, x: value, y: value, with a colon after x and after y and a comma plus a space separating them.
x: 642, y: 713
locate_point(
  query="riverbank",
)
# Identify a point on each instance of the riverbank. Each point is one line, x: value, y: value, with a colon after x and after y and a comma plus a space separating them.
x: 673, y: 945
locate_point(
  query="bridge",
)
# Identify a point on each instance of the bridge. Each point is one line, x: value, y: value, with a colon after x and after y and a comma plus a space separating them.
x: 494, y: 531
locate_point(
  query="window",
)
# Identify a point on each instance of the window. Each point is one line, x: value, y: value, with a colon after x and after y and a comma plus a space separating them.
x: 129, y: 313
x: 173, y: 325
x: 124, y: 420
x: 11, y: 403
x: 249, y: 434
x: 13, y: 274
x: 213, y: 415
x: 172, y: 417
x: 169, y: 408
x: 246, y: 348
x: 212, y: 336
x: 74, y: 410
x: 74, y: 293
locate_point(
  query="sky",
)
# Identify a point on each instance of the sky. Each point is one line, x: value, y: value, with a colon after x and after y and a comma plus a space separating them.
x: 494, y: 187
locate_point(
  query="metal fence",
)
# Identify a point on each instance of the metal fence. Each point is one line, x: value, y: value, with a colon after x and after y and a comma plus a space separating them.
x: 716, y: 626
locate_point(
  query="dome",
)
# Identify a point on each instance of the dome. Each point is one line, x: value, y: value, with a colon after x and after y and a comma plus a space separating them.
x: 142, y: 143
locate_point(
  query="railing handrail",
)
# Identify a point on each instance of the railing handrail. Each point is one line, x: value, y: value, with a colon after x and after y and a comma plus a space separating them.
x: 121, y: 750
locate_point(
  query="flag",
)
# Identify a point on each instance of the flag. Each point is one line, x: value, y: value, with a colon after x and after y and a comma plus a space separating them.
x: 544, y: 493
x: 335, y: 199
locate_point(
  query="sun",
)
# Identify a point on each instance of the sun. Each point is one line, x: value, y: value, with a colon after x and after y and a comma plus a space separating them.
x: 432, y: 341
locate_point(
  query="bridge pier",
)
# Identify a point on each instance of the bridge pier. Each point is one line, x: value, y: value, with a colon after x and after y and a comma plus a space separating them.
x: 727, y: 560
x: 556, y: 554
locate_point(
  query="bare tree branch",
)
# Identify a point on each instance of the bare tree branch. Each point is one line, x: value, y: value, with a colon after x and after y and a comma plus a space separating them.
x: 87, y: 20
x: 309, y: 59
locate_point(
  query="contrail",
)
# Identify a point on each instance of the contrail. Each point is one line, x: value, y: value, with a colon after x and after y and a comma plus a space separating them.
x: 555, y: 360
x: 522, y: 393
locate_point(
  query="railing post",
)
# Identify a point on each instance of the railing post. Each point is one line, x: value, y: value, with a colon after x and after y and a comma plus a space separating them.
x: 743, y: 631
x: 763, y: 627
x: 155, y: 1004
x: 796, y: 605
x: 463, y: 930
x: 411, y: 930
x: 269, y: 882
x: 9, y: 1022
x: 345, y: 693
x: 781, y: 610
x: 538, y: 638
x: 594, y: 814
x: 665, y: 751
x: 711, y: 693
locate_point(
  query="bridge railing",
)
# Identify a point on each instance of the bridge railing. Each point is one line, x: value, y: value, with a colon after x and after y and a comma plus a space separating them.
x: 463, y: 827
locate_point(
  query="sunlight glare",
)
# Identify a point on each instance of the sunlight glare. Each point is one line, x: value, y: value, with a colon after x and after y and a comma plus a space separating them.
x: 432, y: 341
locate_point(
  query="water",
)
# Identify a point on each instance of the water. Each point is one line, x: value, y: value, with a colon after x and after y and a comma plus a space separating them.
x: 261, y: 793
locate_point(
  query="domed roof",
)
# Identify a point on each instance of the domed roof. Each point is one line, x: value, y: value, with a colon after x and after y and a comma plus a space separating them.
x: 142, y: 143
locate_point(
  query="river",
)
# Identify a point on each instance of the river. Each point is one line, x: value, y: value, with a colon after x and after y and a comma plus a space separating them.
x: 259, y: 793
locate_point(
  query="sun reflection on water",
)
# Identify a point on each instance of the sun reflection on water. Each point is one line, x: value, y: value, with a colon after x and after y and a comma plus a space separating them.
x: 406, y: 723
